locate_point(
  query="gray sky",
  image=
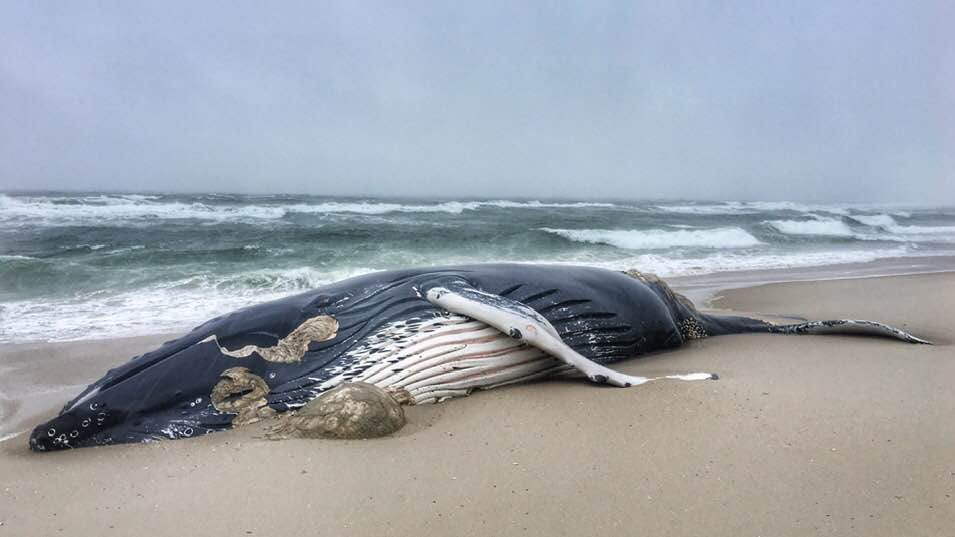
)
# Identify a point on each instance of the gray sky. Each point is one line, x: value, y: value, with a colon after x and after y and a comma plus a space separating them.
x: 808, y: 101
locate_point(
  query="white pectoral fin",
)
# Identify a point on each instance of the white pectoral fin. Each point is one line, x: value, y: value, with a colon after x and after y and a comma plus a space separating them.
x: 521, y: 322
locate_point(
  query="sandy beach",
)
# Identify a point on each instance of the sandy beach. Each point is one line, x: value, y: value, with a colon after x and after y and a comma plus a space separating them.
x: 800, y: 436
x: 304, y: 196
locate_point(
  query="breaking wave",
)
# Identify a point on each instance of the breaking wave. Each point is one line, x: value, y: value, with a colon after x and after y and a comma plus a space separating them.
x: 124, y: 208
x: 750, y: 207
x: 876, y: 220
x: 876, y: 227
x: 826, y: 227
x: 53, y: 211
x: 450, y: 207
x: 661, y: 239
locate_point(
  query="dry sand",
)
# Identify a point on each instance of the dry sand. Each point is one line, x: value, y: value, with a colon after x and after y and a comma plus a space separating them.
x: 800, y: 436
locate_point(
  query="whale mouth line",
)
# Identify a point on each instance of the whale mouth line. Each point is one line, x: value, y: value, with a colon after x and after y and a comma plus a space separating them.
x: 238, y: 395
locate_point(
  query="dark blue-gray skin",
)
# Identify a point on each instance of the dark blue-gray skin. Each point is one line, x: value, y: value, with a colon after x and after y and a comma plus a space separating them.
x: 576, y: 319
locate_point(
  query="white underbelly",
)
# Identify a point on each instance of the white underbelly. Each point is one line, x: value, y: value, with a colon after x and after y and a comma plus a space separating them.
x: 444, y: 357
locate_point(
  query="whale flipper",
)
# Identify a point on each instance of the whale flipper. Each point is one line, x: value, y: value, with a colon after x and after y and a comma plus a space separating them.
x: 523, y: 323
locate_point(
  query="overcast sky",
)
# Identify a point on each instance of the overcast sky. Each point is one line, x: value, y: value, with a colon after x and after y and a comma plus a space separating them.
x: 809, y: 101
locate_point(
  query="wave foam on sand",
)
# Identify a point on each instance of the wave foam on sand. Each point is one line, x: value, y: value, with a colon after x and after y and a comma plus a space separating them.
x: 166, y: 307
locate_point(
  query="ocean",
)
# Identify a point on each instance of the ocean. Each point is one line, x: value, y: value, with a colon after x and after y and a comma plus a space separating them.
x: 97, y: 265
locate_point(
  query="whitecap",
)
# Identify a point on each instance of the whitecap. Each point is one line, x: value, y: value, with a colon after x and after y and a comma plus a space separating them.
x: 136, y: 208
x: 826, y: 227
x: 750, y: 207
x: 727, y: 208
x: 450, y: 207
x: 767, y: 206
x: 875, y: 220
x: 110, y: 209
x: 659, y: 239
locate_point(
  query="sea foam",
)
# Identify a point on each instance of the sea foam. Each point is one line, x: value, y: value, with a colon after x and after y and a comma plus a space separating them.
x: 172, y: 306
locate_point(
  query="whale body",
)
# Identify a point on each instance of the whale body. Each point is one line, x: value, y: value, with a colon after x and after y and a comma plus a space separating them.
x: 427, y: 333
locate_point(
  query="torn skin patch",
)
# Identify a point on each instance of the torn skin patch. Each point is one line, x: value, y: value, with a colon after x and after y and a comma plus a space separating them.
x: 351, y: 410
x: 241, y: 392
x: 292, y: 347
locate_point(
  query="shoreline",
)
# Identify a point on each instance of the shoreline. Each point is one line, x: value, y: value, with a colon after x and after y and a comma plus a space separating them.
x: 703, y: 288
x: 801, y: 435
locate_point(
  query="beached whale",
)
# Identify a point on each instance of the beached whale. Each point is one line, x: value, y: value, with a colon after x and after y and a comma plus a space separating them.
x: 424, y: 335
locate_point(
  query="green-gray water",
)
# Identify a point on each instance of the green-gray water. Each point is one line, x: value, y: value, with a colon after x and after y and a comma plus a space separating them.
x: 92, y: 265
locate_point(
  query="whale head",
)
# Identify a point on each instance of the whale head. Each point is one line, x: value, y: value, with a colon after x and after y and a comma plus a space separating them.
x: 217, y: 376
x: 145, y: 399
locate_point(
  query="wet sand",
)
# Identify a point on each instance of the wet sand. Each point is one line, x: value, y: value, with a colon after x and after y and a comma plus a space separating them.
x: 802, y: 435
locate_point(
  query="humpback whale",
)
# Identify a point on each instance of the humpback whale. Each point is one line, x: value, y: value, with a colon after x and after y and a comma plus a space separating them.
x: 424, y: 335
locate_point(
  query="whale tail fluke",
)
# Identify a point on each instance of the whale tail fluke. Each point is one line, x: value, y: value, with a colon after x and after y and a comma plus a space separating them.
x: 848, y: 326
x: 719, y: 325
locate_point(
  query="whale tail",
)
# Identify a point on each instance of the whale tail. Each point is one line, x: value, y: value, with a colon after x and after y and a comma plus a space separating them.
x: 720, y: 325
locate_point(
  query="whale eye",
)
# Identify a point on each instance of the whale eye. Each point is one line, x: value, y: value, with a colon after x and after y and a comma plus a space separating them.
x: 51, y: 432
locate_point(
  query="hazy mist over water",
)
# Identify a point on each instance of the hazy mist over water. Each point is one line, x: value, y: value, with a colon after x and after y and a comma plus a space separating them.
x: 813, y: 101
